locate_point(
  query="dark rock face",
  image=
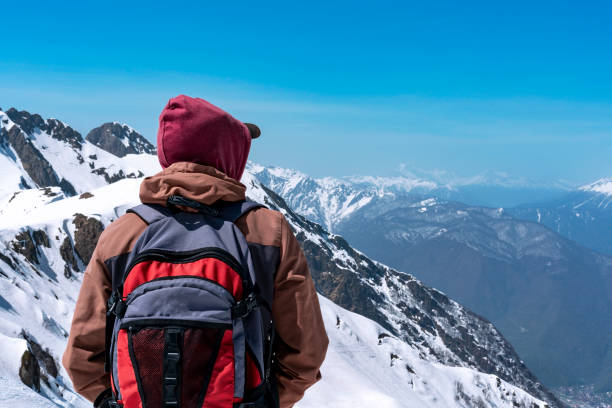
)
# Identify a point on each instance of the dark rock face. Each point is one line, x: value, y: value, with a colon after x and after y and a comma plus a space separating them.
x: 341, y: 286
x: 29, y: 372
x: 67, y: 254
x: 58, y: 130
x: 43, y: 356
x: 7, y: 260
x: 41, y: 238
x: 24, y: 244
x: 34, y: 163
x: 101, y: 171
x: 25, y: 120
x: 86, y: 236
x: 119, y: 140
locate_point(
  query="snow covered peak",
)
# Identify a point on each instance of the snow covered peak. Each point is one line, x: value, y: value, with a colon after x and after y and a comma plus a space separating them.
x: 399, y: 183
x: 5, y: 121
x: 39, y: 153
x: 329, y: 200
x: 602, y: 186
x: 120, y: 139
x: 34, y: 123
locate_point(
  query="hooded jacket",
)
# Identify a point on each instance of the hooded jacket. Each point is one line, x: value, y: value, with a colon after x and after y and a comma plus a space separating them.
x: 301, y: 341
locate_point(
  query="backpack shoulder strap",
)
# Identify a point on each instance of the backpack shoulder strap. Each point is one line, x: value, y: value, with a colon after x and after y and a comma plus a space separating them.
x: 231, y: 211
x: 150, y: 213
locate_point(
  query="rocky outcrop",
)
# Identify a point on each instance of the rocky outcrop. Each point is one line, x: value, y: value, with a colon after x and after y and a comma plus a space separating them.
x: 7, y: 260
x: 41, y: 238
x: 33, y: 161
x: 29, y: 371
x: 67, y: 253
x: 57, y: 129
x: 43, y: 356
x: 88, y: 230
x: 116, y: 176
x: 36, y: 364
x: 119, y: 140
x: 27, y: 244
x: 24, y: 245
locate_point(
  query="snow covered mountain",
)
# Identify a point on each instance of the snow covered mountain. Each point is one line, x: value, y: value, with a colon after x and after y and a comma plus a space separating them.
x: 601, y: 186
x: 583, y: 215
x: 548, y: 295
x: 430, y: 357
x: 535, y: 285
x: 36, y: 153
x: 409, y: 346
x: 120, y: 140
x: 328, y: 200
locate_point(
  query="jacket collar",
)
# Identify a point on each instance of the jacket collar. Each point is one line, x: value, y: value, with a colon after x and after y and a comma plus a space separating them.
x: 204, y: 184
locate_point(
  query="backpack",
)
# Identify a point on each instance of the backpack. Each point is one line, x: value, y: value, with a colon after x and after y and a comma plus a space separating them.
x: 185, y: 321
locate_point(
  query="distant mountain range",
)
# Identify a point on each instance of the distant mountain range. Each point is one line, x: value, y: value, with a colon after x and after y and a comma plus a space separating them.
x: 411, y: 346
x: 583, y: 215
x: 551, y: 296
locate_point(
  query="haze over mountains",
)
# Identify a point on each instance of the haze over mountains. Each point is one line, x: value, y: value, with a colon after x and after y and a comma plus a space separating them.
x: 411, y: 346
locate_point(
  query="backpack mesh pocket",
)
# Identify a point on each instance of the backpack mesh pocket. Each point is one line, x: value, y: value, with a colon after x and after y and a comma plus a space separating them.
x: 200, y: 347
x: 148, y: 359
x: 198, y: 352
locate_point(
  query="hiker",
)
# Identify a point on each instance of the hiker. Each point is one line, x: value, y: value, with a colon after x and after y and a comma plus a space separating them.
x: 198, y: 297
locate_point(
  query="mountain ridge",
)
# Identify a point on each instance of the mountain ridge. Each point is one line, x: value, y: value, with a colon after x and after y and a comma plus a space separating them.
x: 492, y: 248
x: 44, y: 254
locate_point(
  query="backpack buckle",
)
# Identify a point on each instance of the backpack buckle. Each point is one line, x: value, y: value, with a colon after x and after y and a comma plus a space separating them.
x: 116, y: 305
x: 178, y: 200
x: 245, y: 306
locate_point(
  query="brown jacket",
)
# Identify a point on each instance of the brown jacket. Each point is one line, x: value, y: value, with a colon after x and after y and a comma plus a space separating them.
x: 301, y: 341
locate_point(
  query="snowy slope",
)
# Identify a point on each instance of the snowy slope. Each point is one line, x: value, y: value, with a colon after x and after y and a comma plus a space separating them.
x: 39, y: 285
x: 366, y: 366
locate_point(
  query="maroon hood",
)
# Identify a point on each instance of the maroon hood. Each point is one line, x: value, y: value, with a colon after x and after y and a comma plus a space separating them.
x: 194, y: 130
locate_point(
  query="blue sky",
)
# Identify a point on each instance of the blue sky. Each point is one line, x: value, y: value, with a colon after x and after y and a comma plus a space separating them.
x: 338, y: 88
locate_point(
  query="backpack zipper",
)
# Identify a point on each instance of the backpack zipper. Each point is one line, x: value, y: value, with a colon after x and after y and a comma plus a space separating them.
x: 136, y: 325
x: 190, y: 256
